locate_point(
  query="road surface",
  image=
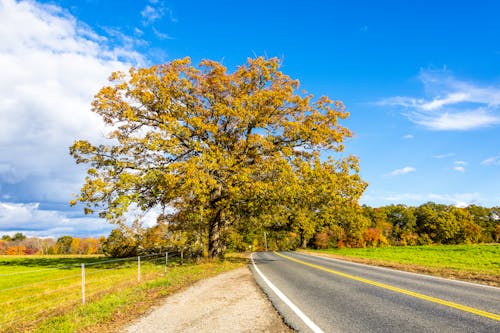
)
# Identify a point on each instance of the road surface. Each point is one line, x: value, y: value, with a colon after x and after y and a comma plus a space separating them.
x: 327, y: 295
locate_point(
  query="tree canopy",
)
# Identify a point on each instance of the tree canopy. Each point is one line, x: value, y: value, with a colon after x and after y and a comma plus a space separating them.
x: 219, y: 149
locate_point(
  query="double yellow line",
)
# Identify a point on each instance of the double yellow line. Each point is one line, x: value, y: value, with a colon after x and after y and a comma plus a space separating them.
x: 399, y: 290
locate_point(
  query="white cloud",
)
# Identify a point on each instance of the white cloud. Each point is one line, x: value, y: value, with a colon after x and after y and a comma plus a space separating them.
x: 459, y: 166
x: 32, y: 221
x: 449, y: 121
x: 495, y: 160
x: 408, y: 136
x: 51, y: 65
x: 438, y: 102
x: 161, y: 35
x: 441, y: 156
x: 138, y: 32
x: 151, y: 14
x: 402, y: 171
x: 452, y: 104
x: 403, y: 197
x: 155, y: 11
x: 126, y: 41
x: 457, y: 199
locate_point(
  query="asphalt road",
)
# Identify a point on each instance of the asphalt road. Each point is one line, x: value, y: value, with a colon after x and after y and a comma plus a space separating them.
x: 340, y: 296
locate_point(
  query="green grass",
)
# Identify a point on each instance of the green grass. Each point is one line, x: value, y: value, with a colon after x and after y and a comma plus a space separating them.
x: 44, y: 293
x: 466, y: 260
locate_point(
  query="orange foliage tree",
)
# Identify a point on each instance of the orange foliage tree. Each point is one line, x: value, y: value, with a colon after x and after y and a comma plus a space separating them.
x: 192, y: 138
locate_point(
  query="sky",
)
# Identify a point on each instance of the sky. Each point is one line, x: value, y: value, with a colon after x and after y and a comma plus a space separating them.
x: 420, y: 79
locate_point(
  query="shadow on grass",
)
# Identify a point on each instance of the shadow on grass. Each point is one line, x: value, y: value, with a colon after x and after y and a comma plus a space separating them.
x: 109, y: 263
x: 61, y: 263
x: 237, y: 257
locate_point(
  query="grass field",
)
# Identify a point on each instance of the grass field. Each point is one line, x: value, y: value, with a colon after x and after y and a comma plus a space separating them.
x: 44, y: 293
x: 479, y: 263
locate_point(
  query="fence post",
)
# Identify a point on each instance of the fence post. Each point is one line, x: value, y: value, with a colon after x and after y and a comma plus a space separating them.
x: 166, y: 261
x: 83, y: 283
x: 138, y: 268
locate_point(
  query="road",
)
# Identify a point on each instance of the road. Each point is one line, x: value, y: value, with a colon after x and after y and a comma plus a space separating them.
x: 338, y: 296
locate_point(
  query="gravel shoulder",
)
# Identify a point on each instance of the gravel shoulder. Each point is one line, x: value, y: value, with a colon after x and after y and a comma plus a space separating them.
x: 229, y: 302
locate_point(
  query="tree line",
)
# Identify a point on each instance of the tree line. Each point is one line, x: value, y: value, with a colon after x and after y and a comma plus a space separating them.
x: 20, y: 244
x: 357, y: 226
x: 365, y: 226
x: 429, y: 223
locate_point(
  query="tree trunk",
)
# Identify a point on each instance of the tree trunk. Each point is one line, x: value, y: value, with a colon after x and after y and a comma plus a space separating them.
x: 303, y: 240
x: 214, y: 237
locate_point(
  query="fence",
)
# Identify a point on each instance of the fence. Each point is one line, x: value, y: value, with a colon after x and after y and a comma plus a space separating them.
x: 29, y: 297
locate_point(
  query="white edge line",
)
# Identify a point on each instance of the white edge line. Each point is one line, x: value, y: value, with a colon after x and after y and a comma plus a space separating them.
x: 345, y: 261
x: 287, y: 301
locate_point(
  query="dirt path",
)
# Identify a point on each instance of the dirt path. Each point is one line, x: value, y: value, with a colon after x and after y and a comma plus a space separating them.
x: 230, y: 302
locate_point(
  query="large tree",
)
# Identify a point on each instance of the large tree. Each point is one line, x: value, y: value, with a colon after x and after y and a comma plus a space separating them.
x: 215, y: 146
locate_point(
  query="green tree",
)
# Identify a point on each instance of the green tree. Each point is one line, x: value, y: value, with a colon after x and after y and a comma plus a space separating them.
x: 403, y: 222
x: 185, y: 136
x: 63, y: 244
x: 438, y: 222
x: 120, y: 245
x: 18, y: 237
x: 469, y: 232
x: 486, y: 219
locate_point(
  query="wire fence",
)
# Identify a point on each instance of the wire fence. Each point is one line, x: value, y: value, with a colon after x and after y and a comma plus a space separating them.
x: 31, y: 296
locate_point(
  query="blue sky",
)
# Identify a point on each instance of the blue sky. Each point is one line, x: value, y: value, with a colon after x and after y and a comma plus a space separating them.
x: 421, y: 80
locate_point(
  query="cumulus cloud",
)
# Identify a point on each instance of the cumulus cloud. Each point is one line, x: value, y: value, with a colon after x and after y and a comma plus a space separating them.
x: 33, y: 221
x: 402, y: 171
x: 495, y: 160
x: 450, y: 104
x: 52, y: 65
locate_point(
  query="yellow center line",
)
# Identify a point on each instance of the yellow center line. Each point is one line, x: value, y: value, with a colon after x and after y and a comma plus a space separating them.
x: 399, y: 290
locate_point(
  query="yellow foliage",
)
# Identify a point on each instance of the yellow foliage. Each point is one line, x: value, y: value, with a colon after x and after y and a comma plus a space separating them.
x: 186, y: 137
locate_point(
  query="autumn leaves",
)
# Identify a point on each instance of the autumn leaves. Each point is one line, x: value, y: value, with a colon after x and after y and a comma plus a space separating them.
x: 239, y: 145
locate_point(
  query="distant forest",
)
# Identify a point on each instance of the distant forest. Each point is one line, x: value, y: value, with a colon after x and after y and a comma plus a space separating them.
x: 20, y: 244
x: 393, y: 225
x: 429, y: 223
x: 359, y: 226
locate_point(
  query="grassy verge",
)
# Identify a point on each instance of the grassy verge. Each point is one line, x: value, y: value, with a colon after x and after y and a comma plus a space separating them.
x: 477, y: 263
x: 46, y: 295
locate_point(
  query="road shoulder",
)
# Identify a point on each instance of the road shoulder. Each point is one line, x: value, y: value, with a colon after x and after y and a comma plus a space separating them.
x: 229, y: 302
